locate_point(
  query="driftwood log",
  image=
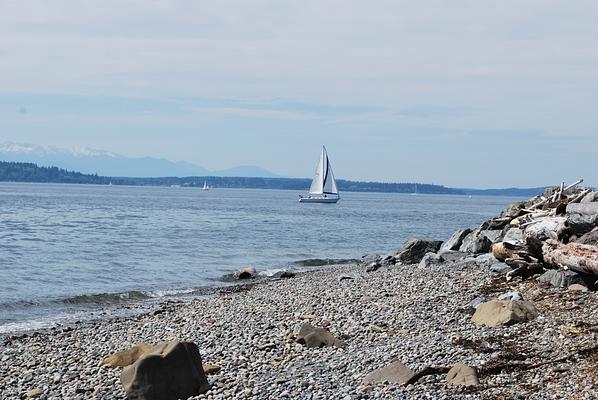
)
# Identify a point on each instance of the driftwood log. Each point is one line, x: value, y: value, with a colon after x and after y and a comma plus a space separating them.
x: 575, y: 256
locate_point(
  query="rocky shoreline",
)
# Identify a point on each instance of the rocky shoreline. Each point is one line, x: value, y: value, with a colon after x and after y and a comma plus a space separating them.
x: 398, y: 324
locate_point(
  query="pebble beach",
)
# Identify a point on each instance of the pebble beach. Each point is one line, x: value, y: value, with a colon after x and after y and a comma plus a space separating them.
x: 247, y: 335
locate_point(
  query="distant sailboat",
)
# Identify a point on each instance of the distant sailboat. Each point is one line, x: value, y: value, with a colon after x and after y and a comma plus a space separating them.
x: 323, y: 188
x: 206, y: 186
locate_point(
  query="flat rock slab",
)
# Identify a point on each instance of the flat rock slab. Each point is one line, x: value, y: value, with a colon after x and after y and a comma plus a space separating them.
x: 455, y: 240
x: 496, y: 312
x: 394, y: 372
x: 560, y: 278
x: 462, y: 374
x: 171, y: 371
x: 129, y: 356
x: 313, y: 337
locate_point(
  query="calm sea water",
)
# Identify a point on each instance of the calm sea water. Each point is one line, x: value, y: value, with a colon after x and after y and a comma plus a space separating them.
x: 68, y: 251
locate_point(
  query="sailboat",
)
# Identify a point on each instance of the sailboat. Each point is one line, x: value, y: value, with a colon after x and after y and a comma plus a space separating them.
x: 206, y: 186
x: 323, y: 188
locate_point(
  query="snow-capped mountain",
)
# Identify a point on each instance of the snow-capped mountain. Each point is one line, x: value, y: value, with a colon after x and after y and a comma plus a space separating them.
x: 91, y: 161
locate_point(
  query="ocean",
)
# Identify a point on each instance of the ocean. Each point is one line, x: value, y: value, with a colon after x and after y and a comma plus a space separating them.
x: 78, y: 252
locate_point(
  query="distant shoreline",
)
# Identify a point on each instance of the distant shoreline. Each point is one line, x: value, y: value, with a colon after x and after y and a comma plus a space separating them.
x: 18, y: 172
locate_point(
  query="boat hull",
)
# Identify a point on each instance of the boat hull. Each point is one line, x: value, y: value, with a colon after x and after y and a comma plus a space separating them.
x: 329, y: 200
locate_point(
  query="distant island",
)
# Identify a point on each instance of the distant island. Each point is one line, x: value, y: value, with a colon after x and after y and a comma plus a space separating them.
x: 30, y: 172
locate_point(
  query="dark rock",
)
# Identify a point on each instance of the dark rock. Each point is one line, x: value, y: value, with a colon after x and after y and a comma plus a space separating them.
x: 590, y: 238
x: 500, y: 268
x: 452, y: 255
x: 375, y: 266
x: 495, y: 224
x: 345, y: 278
x: 476, y: 243
x: 431, y: 259
x: 171, y: 371
x: 579, y: 224
x: 415, y: 249
x: 245, y: 273
x: 462, y: 374
x: 456, y: 240
x: 313, y: 337
x: 284, y: 274
x: 559, y: 278
x: 395, y: 372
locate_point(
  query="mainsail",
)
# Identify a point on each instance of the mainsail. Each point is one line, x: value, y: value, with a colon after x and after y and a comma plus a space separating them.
x: 323, y: 182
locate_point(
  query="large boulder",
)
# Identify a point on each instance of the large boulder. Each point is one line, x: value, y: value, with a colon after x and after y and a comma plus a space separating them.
x: 394, y: 372
x: 547, y: 228
x: 514, y: 210
x: 560, y: 278
x: 514, y: 235
x: 313, y: 337
x: 580, y: 224
x: 496, y: 312
x: 431, y: 259
x: 583, y: 208
x: 455, y: 241
x: 462, y: 374
x: 127, y: 357
x: 590, y: 238
x: 590, y: 198
x: 415, y: 249
x: 171, y: 371
x: 476, y: 242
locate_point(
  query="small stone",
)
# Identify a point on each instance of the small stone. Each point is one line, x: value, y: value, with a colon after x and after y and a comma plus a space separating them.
x: 395, y: 372
x: 578, y: 288
x: 211, y: 368
x: 462, y: 374
x: 511, y: 296
x: 34, y: 393
x: 313, y: 337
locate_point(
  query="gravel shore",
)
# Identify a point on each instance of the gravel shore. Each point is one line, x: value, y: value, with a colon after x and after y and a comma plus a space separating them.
x: 404, y: 312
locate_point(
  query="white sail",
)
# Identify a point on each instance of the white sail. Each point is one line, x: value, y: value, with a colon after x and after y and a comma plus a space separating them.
x: 324, y: 182
x: 317, y: 185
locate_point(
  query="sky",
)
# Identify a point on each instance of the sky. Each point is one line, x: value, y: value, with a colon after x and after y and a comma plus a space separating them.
x: 461, y: 93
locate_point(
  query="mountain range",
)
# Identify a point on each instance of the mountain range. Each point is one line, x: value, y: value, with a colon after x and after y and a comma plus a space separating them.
x: 101, y: 162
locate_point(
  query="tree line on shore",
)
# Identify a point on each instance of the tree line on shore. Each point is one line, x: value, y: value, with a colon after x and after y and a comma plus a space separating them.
x: 30, y: 172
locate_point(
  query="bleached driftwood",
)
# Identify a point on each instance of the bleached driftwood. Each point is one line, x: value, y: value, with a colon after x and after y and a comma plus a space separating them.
x: 575, y: 256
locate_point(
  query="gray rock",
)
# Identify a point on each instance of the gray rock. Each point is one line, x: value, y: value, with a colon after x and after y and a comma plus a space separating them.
x: 547, y: 228
x: 415, y: 249
x: 560, y: 278
x: 476, y: 243
x: 500, y: 268
x: 313, y: 337
x: 461, y: 374
x: 452, y: 255
x: 511, y: 296
x: 431, y: 259
x: 395, y: 372
x: 475, y: 303
x: 590, y: 238
x: 284, y: 274
x: 513, y: 235
x: 455, y: 241
x: 345, y: 278
x: 514, y: 210
x: 590, y: 198
x: 581, y: 224
x: 171, y: 371
x: 496, y: 312
x: 375, y: 266
x: 578, y: 288
x: 583, y: 208
x: 486, y: 260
